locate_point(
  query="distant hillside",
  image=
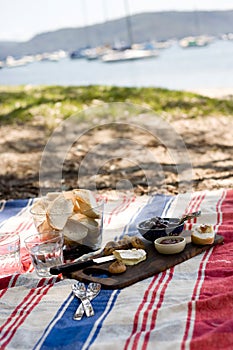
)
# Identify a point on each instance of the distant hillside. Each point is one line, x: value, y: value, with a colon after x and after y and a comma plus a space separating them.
x: 145, y: 26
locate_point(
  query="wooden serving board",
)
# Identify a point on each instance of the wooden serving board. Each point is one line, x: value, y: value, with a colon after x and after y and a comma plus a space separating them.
x: 154, y: 264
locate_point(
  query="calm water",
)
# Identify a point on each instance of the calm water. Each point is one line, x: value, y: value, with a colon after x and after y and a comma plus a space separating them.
x: 175, y: 68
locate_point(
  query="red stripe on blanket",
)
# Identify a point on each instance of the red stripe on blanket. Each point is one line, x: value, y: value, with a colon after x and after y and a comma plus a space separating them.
x: 120, y: 208
x: 190, y: 208
x: 7, y: 282
x: 195, y: 205
x: 128, y: 202
x: 117, y: 210
x: 136, y: 318
x: 135, y: 335
x: 195, y: 295
x: 158, y: 306
x: 214, y: 308
x: 15, y: 311
x: 21, y: 312
x: 190, y: 304
x: 146, y: 320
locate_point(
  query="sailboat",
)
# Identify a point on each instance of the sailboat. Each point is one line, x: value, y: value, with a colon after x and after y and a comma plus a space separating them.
x: 195, y: 41
x: 198, y: 40
x: 128, y: 55
x: 131, y: 52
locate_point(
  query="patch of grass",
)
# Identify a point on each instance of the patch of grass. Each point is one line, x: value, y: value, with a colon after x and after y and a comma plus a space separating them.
x: 50, y: 104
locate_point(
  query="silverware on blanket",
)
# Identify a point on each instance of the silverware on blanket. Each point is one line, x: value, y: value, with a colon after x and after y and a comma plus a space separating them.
x: 79, y: 291
x: 93, y: 290
x: 189, y: 216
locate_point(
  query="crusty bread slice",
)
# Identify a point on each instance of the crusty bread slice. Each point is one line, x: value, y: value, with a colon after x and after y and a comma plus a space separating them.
x: 45, y: 226
x: 74, y: 230
x: 71, y: 195
x: 87, y: 203
x: 90, y: 223
x: 38, y: 212
x: 203, y: 234
x: 39, y: 207
x: 59, y: 211
x: 130, y: 256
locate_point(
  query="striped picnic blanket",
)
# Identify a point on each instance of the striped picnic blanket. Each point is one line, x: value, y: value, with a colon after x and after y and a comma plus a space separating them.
x: 189, y: 306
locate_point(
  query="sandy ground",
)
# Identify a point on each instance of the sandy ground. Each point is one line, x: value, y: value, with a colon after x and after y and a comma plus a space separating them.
x: 122, y: 158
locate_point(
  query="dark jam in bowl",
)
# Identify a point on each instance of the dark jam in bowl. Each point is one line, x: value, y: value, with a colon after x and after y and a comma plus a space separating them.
x: 157, y: 227
x: 170, y: 241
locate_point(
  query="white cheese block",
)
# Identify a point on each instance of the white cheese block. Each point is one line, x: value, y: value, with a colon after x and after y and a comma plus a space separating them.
x: 130, y: 256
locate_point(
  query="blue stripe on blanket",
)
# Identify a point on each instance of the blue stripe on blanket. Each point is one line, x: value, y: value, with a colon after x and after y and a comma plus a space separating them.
x: 12, y: 208
x: 77, y: 333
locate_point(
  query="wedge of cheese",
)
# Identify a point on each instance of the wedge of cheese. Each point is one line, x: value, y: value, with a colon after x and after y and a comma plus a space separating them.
x: 130, y: 256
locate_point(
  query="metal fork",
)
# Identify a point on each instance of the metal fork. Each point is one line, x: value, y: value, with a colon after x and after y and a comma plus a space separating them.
x: 79, y: 291
x: 93, y: 290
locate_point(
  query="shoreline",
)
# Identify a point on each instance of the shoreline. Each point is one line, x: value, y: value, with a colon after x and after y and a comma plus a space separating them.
x: 219, y: 93
x: 214, y: 92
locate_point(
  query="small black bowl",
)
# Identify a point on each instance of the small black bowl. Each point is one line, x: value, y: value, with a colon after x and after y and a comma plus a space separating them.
x: 151, y: 234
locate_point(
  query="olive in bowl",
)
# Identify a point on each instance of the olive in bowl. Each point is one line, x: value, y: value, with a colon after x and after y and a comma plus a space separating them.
x: 156, y: 227
x: 170, y: 245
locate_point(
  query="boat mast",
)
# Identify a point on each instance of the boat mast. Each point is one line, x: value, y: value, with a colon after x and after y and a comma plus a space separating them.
x: 196, y: 20
x: 105, y: 19
x: 128, y: 23
x: 85, y: 28
x: 105, y: 11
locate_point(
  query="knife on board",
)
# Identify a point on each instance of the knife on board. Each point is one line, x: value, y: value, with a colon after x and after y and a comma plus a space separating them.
x: 78, y: 265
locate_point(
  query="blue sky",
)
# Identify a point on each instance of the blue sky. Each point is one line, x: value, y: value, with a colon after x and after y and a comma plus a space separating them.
x: 22, y: 19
